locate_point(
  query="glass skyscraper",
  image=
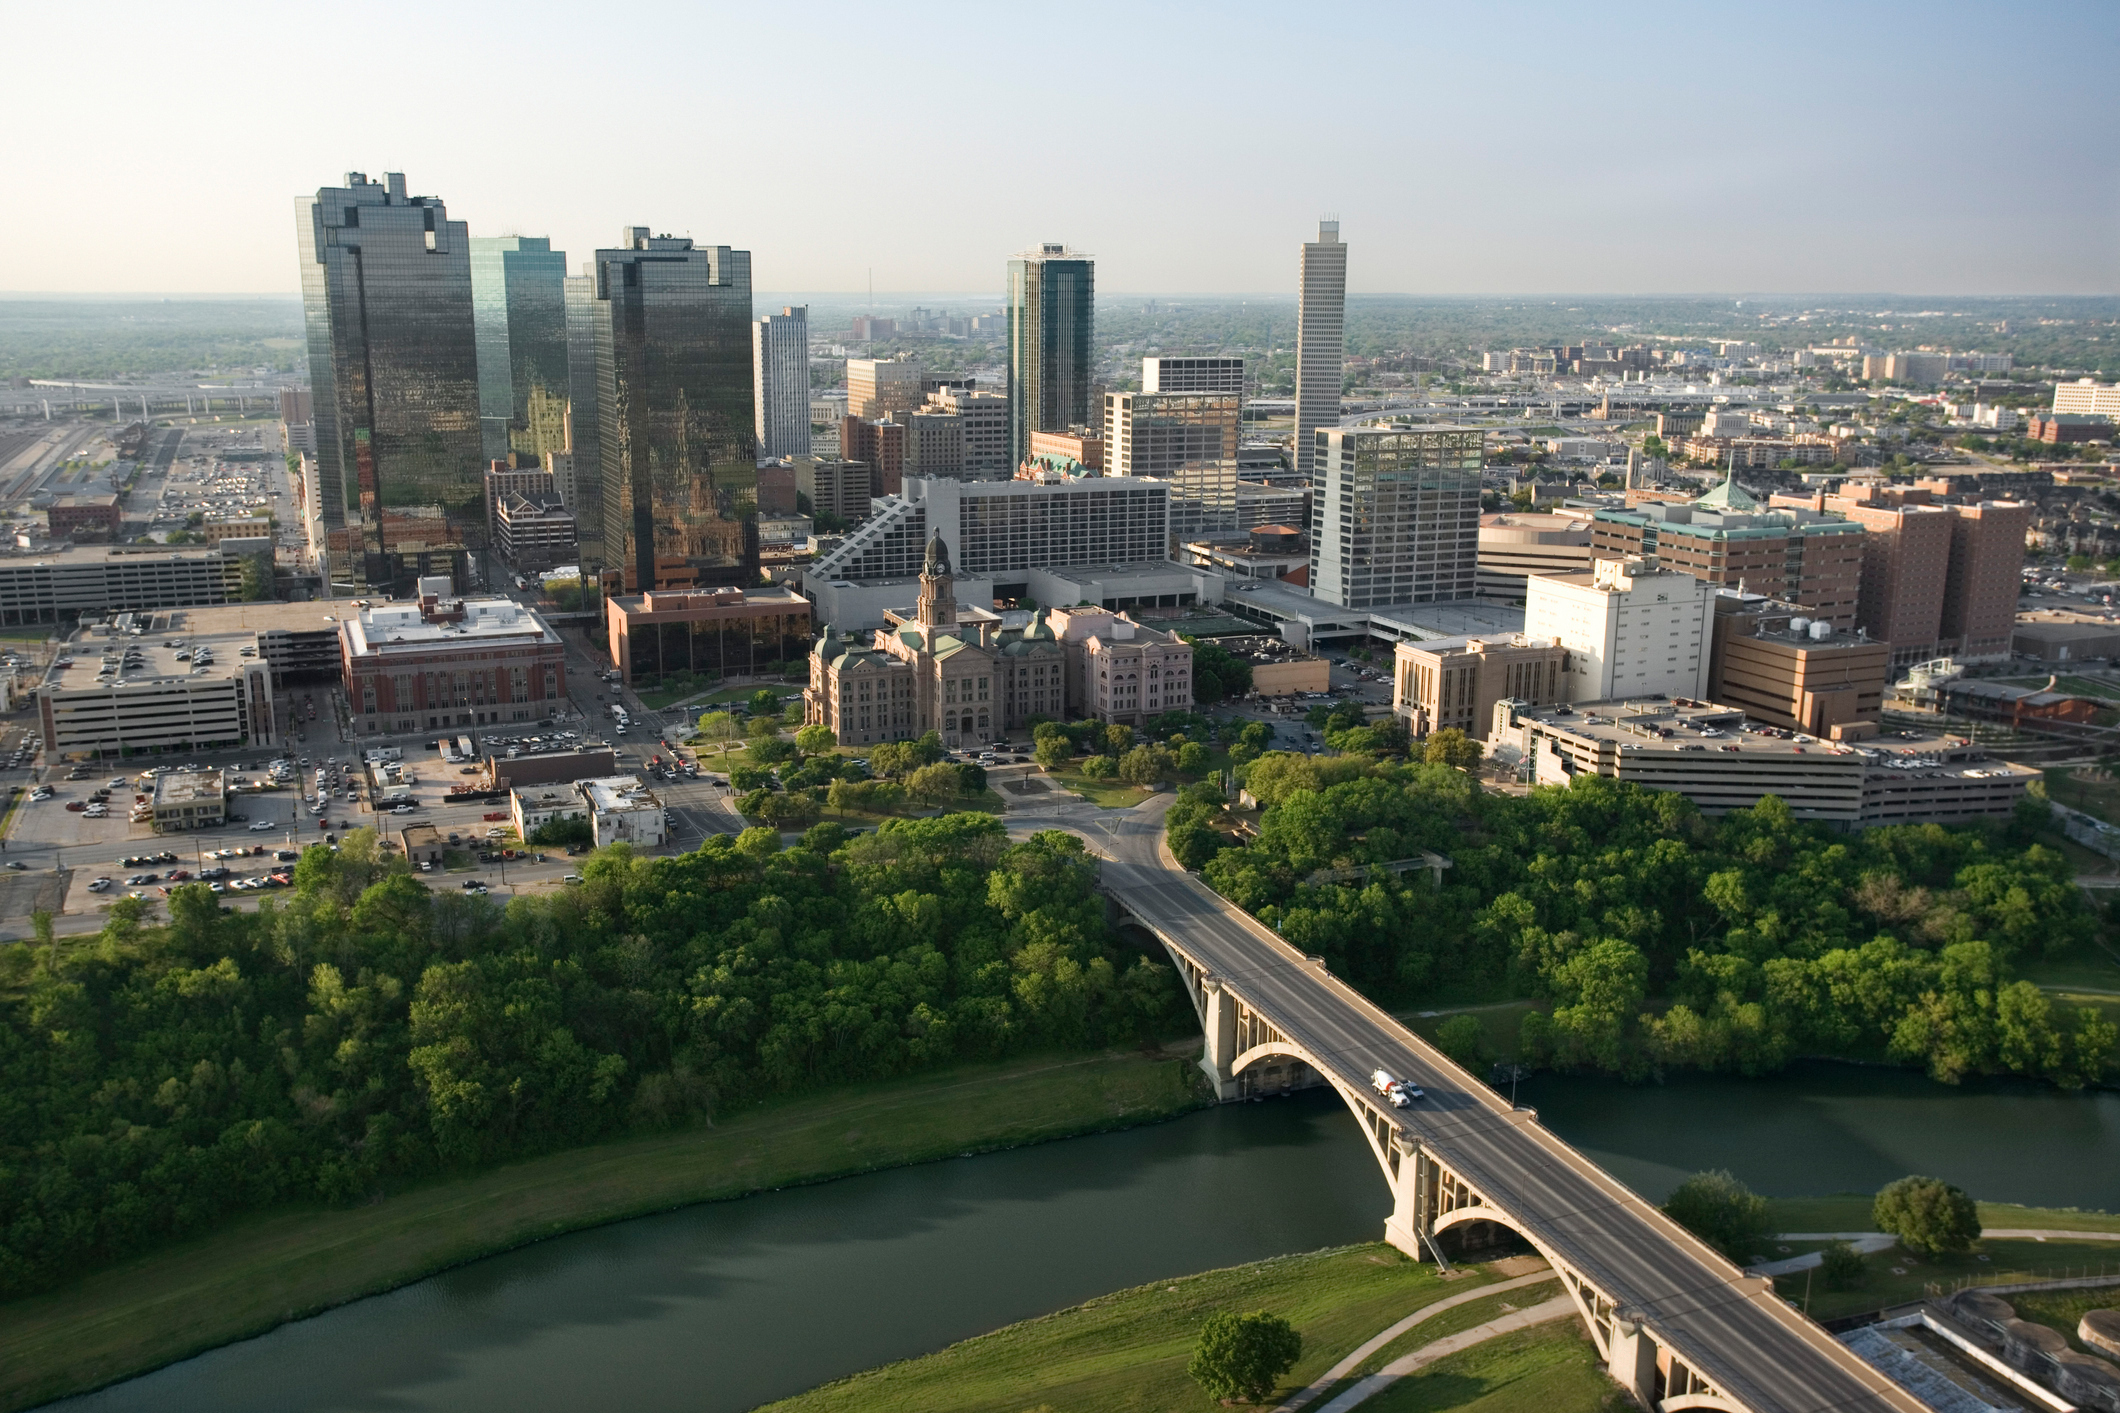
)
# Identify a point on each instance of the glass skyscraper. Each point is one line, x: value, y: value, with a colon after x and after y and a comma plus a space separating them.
x: 519, y: 311
x: 1052, y: 295
x: 672, y: 329
x: 393, y: 368
x: 1396, y: 516
x: 583, y: 423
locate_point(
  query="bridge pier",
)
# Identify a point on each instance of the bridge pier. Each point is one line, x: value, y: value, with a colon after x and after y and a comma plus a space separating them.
x: 1218, y: 1020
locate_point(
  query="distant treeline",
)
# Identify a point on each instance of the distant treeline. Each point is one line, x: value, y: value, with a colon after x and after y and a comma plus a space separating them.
x: 111, y: 338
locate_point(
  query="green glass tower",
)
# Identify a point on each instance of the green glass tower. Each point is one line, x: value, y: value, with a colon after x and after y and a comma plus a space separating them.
x: 518, y: 305
x: 1052, y: 295
x: 675, y: 423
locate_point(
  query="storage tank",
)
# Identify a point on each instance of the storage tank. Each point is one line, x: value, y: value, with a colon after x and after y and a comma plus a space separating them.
x: 1821, y: 629
x: 1799, y: 625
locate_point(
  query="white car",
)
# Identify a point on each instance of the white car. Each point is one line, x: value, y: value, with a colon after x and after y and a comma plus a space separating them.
x: 402, y: 809
x: 262, y: 826
x: 100, y: 885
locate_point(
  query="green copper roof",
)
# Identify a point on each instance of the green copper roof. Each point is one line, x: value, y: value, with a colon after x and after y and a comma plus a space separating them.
x: 1728, y: 496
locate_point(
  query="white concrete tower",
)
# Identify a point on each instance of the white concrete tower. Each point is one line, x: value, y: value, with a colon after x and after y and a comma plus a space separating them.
x: 1321, y: 339
x: 780, y: 361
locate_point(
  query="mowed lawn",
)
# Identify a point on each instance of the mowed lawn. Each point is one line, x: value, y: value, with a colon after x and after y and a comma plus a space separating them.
x: 269, y: 1267
x: 1126, y: 1352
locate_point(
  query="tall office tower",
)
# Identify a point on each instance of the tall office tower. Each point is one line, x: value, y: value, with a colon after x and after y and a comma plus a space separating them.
x: 879, y: 387
x: 583, y: 439
x: 393, y: 366
x: 1321, y: 340
x: 1052, y: 297
x: 1188, y: 439
x: 1192, y: 375
x: 1987, y: 565
x: 879, y: 444
x: 934, y: 442
x: 1396, y: 515
x: 673, y: 389
x: 519, y: 310
x: 985, y: 416
x: 780, y: 363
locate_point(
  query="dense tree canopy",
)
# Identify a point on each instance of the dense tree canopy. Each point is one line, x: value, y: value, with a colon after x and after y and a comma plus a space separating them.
x: 1659, y: 937
x: 361, y: 1028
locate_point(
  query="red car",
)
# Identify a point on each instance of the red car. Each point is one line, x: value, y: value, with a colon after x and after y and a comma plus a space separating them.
x: 178, y: 875
x: 494, y: 814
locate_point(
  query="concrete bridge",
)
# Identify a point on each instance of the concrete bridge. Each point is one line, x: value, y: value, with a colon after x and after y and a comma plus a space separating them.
x: 1675, y: 1322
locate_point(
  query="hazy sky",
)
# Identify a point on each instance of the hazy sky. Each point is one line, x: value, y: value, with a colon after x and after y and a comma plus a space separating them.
x: 1930, y: 147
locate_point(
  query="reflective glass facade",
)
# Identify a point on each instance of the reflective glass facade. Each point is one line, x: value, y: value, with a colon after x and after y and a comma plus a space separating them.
x: 393, y: 367
x: 583, y: 418
x: 1395, y: 515
x: 518, y: 308
x: 1052, y: 298
x: 674, y: 410
x: 722, y: 645
x: 1187, y: 439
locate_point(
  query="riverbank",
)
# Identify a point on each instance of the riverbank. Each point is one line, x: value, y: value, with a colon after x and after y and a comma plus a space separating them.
x: 269, y: 1268
x: 1126, y: 1352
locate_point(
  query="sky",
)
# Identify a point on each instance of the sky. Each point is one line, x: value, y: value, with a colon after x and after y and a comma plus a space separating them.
x: 1941, y: 147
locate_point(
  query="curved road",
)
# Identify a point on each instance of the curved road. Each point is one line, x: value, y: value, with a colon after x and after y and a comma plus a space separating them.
x: 1733, y: 1329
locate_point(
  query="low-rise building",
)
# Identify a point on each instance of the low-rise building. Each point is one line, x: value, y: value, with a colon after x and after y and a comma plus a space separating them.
x: 445, y: 661
x: 518, y: 769
x: 423, y: 844
x: 1713, y: 756
x: 726, y: 632
x: 622, y: 810
x: 83, y: 517
x: 1514, y: 545
x: 2059, y: 640
x: 2020, y: 707
x: 123, y: 689
x: 80, y: 582
x: 216, y: 532
x: 1789, y: 670
x: 2065, y: 428
x: 1456, y: 681
x: 1267, y: 552
x: 533, y: 808
x: 1629, y: 628
x: 535, y: 532
x: 1130, y: 673
x: 190, y: 799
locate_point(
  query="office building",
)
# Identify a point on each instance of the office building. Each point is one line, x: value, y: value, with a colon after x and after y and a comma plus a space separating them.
x: 879, y: 445
x: 1192, y: 375
x: 1455, y: 682
x: 82, y: 518
x: 934, y: 442
x: 984, y: 419
x: 190, y: 799
x: 444, y: 661
x: 1007, y: 527
x: 585, y: 497
x: 1321, y: 340
x: 1906, y: 559
x: 1986, y: 576
x: 725, y: 632
x: 1395, y: 514
x: 115, y: 691
x: 2087, y: 397
x: 674, y: 408
x: 1705, y: 753
x: 1079, y: 447
x: 534, y: 532
x: 1188, y: 439
x: 504, y: 481
x: 780, y: 371
x: 1515, y: 544
x: 1728, y: 539
x: 393, y: 367
x: 78, y: 582
x: 1630, y: 629
x: 834, y: 486
x: 1785, y: 669
x: 1051, y: 355
x: 882, y: 387
x: 1261, y: 504
x: 298, y: 421
x: 519, y: 314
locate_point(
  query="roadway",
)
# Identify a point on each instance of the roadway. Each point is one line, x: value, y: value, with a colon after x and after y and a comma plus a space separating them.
x: 1744, y: 1338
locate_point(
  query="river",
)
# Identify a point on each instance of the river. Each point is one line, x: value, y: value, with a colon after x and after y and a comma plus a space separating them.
x: 726, y: 1305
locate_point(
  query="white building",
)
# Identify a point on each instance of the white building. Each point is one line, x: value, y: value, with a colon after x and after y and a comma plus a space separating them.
x: 780, y: 381
x: 2087, y: 397
x: 624, y: 811
x: 1321, y: 340
x: 1631, y: 629
x: 118, y: 689
x: 998, y: 529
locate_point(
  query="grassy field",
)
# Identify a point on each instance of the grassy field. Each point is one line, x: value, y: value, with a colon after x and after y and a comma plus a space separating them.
x: 1851, y: 1212
x: 261, y: 1270
x: 1895, y: 1277
x: 1464, y: 1317
x: 2062, y: 1309
x: 1545, y: 1369
x: 1127, y: 1351
x: 1502, y: 1020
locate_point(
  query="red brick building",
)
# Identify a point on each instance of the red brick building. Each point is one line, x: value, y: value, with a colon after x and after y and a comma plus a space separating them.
x: 444, y: 662
x: 83, y: 518
x: 882, y: 445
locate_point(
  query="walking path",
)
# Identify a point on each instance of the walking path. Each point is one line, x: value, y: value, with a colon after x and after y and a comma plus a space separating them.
x: 1560, y: 1307
x: 1353, y: 1361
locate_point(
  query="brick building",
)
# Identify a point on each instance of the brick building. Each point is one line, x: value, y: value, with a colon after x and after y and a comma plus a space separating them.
x: 1791, y: 671
x: 444, y: 661
x: 82, y: 518
x: 723, y: 631
x: 1439, y: 682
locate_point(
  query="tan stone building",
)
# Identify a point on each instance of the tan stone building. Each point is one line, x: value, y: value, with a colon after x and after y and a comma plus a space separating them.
x: 1791, y: 671
x: 1443, y: 682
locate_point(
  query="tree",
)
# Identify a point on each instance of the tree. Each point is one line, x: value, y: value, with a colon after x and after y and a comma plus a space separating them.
x: 1721, y: 1211
x: 1117, y: 738
x: 1207, y: 686
x: 718, y: 726
x: 815, y: 739
x: 1099, y: 767
x: 1055, y: 751
x: 1464, y: 1040
x: 1244, y: 1356
x: 765, y: 702
x: 935, y: 783
x: 1927, y: 1214
x: 1841, y: 1265
x: 762, y: 728
x: 1452, y: 747
x: 1192, y: 758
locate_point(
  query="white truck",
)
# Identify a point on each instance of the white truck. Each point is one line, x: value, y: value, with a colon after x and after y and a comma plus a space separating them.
x: 1398, y: 1091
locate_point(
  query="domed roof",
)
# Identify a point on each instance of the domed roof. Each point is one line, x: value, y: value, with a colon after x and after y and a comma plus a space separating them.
x: 824, y: 638
x: 938, y: 556
x: 1037, y: 630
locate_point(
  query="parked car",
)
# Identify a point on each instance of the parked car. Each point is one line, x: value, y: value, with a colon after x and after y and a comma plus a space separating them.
x: 261, y: 826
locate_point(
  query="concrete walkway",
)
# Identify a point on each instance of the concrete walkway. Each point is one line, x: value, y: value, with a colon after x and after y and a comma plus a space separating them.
x: 1560, y: 1307
x: 1353, y: 1361
x: 1869, y: 1241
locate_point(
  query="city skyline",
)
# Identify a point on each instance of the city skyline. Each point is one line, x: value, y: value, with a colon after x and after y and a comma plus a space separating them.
x: 1683, y: 165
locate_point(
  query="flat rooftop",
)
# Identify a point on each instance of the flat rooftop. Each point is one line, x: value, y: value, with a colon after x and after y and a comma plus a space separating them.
x: 148, y: 654
x: 85, y: 556
x: 187, y: 787
x: 320, y: 616
x: 615, y: 793
x: 401, y: 625
x: 1707, y: 726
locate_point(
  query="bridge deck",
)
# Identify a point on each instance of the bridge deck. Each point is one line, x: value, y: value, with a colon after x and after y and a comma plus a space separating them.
x: 1728, y: 1327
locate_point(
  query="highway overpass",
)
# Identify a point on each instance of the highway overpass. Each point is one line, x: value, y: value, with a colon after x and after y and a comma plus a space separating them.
x: 1673, y: 1320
